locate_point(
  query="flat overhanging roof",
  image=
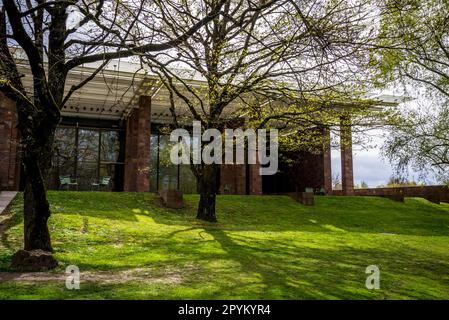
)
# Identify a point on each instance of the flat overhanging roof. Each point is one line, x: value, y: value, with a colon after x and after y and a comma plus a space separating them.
x: 109, y: 95
x: 114, y: 92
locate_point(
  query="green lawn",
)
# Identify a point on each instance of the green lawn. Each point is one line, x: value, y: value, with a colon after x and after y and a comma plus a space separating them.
x: 264, y: 247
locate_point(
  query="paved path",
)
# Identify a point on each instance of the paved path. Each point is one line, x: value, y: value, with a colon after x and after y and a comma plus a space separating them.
x: 5, y: 198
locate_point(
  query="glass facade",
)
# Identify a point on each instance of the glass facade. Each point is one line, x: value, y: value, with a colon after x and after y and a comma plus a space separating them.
x: 88, y: 156
x: 165, y: 175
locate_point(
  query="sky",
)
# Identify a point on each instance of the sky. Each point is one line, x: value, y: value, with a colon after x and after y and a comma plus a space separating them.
x: 369, y: 165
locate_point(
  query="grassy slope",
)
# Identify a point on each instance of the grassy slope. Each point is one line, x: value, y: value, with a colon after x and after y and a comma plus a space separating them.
x: 266, y: 247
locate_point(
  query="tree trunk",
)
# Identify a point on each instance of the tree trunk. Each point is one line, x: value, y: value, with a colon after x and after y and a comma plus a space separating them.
x: 37, y: 154
x: 207, y: 187
x: 36, y: 214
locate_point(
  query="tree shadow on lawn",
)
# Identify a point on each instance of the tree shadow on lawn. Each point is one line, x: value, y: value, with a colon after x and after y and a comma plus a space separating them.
x: 243, y: 267
x: 372, y: 215
x: 235, y: 264
x: 287, y: 271
x: 268, y: 213
x: 15, y: 218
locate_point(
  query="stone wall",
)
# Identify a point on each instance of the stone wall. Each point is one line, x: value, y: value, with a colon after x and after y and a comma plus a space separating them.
x: 255, y: 179
x: 428, y: 192
x: 9, y: 145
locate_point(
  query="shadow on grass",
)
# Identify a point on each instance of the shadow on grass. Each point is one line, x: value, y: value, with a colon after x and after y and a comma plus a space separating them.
x: 15, y: 218
x: 291, y: 272
x: 371, y: 215
x: 235, y: 264
x: 247, y: 268
x: 268, y: 213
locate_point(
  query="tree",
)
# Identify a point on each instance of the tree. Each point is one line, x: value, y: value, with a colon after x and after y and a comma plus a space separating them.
x: 414, y: 43
x: 57, y: 36
x: 363, y: 185
x: 336, y: 182
x: 421, y: 141
x: 415, y: 51
x: 272, y: 63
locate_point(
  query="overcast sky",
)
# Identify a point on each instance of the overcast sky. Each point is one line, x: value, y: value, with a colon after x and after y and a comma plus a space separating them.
x: 369, y: 166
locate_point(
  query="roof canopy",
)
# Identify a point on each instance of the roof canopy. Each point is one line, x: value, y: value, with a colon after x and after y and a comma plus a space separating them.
x: 115, y: 91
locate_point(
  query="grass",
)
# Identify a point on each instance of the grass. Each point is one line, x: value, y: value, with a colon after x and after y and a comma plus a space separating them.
x: 264, y: 247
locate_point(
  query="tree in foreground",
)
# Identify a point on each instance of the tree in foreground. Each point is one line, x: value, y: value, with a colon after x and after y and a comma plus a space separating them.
x: 274, y: 63
x: 415, y: 41
x: 421, y: 142
x: 56, y: 37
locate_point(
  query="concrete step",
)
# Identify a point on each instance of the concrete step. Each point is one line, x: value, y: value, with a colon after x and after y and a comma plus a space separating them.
x: 5, y: 199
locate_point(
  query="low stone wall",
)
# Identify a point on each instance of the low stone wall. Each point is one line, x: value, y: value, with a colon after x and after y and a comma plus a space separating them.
x: 432, y: 193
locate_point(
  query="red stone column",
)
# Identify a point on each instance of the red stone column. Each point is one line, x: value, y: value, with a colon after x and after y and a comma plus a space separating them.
x: 9, y: 145
x: 255, y: 179
x: 347, y: 176
x: 327, y: 162
x: 137, y: 158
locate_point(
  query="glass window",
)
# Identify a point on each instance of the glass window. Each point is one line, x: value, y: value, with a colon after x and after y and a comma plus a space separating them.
x: 64, y: 155
x: 65, y: 151
x: 154, y: 149
x: 165, y: 175
x: 89, y: 161
x: 88, y: 145
x: 107, y: 174
x: 110, y: 146
x: 87, y: 173
x: 168, y: 172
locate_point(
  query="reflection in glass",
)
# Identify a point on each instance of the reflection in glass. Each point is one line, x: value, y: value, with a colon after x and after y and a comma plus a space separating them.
x: 63, y: 162
x: 165, y: 175
x: 107, y: 170
x: 153, y: 162
x: 88, y: 145
x: 110, y: 146
x: 92, y: 159
x: 168, y: 172
x: 87, y: 174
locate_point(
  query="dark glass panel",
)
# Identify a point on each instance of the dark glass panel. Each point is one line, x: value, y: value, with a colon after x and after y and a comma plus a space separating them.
x: 88, y: 145
x: 110, y: 146
x: 93, y: 161
x: 153, y: 162
x: 107, y: 172
x: 87, y: 166
x: 65, y: 150
x: 63, y: 156
x: 168, y: 172
x: 87, y: 174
